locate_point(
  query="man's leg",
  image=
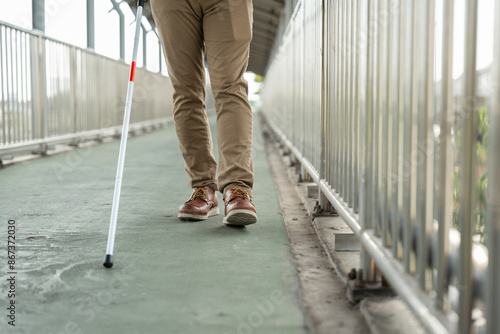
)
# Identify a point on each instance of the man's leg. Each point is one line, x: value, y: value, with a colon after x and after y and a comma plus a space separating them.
x: 181, y: 33
x: 227, y: 26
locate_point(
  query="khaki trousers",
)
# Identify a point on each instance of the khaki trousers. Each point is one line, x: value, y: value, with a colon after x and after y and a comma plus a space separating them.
x: 223, y: 30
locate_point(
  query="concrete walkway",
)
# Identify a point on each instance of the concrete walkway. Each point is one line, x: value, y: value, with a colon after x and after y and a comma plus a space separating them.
x: 169, y: 276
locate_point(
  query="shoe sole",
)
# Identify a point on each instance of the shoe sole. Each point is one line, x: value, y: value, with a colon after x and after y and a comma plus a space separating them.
x: 195, y: 217
x: 240, y: 217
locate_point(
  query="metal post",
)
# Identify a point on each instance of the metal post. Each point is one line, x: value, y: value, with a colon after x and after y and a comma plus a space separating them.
x: 3, y: 140
x: 393, y: 127
x: 122, y: 28
x: 348, y: 105
x: 407, y: 147
x: 342, y: 95
x: 366, y: 75
x: 324, y: 91
x: 73, y: 88
x: 402, y: 55
x: 144, y: 47
x: 373, y: 83
x: 3, y: 81
x: 90, y: 25
x: 11, y: 87
x: 446, y: 162
x: 122, y: 34
x: 38, y: 14
x: 355, y: 109
x: 357, y: 137
x: 39, y: 88
x: 334, y: 97
x: 160, y: 56
x: 25, y: 85
x: 425, y: 153
x: 384, y: 156
x: 468, y: 127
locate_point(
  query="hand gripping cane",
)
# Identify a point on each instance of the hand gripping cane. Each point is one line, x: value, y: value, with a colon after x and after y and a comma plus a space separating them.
x: 108, y: 260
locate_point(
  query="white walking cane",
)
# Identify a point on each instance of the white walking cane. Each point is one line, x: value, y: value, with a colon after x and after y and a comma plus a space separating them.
x: 108, y: 260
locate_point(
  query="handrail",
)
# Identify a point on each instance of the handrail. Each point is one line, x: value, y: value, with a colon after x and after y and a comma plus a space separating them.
x: 52, y: 92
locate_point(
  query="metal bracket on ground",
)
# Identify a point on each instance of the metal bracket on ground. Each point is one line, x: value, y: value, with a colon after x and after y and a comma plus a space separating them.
x: 320, y: 211
x: 358, y: 289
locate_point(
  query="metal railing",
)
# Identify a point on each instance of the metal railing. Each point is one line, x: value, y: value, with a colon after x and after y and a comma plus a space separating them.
x: 55, y: 93
x: 364, y: 99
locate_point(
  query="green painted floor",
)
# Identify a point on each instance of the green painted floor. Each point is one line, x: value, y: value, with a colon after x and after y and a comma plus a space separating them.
x: 169, y: 276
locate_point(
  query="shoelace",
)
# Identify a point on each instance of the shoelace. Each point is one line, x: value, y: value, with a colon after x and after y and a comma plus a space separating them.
x: 239, y: 192
x: 198, y: 193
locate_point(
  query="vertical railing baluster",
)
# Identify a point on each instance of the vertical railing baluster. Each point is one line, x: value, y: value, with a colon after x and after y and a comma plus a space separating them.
x: 384, y: 66
x: 356, y: 48
x: 391, y: 129
x: 446, y: 156
x: 22, y: 85
x: 366, y: 215
x: 407, y: 167
x: 324, y: 100
x: 331, y: 93
x: 21, y: 82
x: 26, y: 87
x: 49, y: 79
x: 348, y: 86
x: 34, y: 102
x: 317, y: 77
x: 2, y: 86
x: 16, y: 88
x: 342, y: 101
x: 425, y: 148
x: 347, y: 110
x: 73, y: 92
x: 48, y: 84
x: 351, y: 111
x: 403, y: 54
x: 44, y: 89
x: 10, y: 88
x: 373, y: 99
x: 413, y: 161
x: 468, y: 128
x: 336, y: 98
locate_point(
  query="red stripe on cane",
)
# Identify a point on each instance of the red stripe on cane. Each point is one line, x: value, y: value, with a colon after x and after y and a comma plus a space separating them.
x: 132, y: 71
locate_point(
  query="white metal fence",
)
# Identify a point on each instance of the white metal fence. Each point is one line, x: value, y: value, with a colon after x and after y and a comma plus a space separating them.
x: 55, y: 93
x: 362, y: 93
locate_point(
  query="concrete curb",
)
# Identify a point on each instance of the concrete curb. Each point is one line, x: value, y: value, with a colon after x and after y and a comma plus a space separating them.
x: 386, y: 314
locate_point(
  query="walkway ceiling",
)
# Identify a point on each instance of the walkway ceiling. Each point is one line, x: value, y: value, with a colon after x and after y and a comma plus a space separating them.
x: 266, y: 15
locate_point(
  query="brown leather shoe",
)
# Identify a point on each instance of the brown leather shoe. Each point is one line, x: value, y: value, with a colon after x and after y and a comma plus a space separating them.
x: 201, y: 205
x: 239, y: 207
